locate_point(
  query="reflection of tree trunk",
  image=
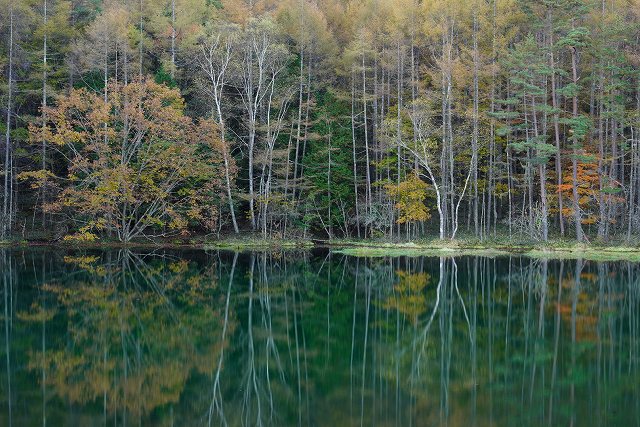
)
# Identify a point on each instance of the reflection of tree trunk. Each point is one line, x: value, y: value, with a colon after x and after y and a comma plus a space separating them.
x: 353, y: 332
x: 506, y: 333
x: 216, y: 395
x: 6, y: 278
x: 556, y: 343
x: 425, y: 331
x: 44, y: 349
x: 251, y: 380
x: 124, y: 368
x: 265, y: 301
x: 298, y: 371
x: 397, y: 364
x: 540, y: 337
x: 446, y: 328
x: 474, y: 344
x: 364, y: 355
x: 602, y: 271
x: 574, y: 318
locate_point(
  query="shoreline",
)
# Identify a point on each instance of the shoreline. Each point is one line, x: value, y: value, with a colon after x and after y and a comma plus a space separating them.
x: 371, y: 248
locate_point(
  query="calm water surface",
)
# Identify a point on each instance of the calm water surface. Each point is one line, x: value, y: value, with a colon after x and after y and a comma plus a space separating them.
x: 191, y: 338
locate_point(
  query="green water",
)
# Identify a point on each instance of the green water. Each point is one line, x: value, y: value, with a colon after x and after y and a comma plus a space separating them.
x: 189, y: 338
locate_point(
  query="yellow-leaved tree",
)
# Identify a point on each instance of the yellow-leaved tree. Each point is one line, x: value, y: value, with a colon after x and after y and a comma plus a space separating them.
x: 137, y: 165
x: 409, y: 195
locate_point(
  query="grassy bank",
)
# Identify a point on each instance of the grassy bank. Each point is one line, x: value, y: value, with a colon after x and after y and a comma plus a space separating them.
x: 553, y: 249
x: 557, y: 248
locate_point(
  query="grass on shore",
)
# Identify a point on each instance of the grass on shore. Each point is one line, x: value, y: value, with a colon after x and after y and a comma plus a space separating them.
x: 246, y: 242
x: 500, y: 246
x: 566, y: 249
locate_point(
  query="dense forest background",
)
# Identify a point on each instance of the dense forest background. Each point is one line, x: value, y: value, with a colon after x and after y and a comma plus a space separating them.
x: 126, y: 119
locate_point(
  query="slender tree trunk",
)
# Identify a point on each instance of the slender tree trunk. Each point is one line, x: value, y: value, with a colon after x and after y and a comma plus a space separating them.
x: 8, y: 161
x: 251, y: 107
x: 556, y: 127
x: 474, y: 137
x: 173, y: 39
x: 574, y: 161
x: 299, y: 129
x: 140, y: 45
x: 329, y: 220
x: 542, y: 171
x: 44, y: 113
x: 443, y: 154
x: 634, y: 170
x: 227, y: 179
x: 366, y: 133
x: 601, y: 172
x: 305, y: 121
x: 353, y: 146
x: 399, y: 121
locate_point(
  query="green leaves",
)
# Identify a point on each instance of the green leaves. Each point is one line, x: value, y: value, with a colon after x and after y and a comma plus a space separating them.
x: 575, y: 38
x: 579, y: 126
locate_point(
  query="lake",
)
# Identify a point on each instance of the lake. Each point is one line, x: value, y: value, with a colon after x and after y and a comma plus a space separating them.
x: 314, y: 338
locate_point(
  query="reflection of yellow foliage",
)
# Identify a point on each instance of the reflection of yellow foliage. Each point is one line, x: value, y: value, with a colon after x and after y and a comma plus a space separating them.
x: 81, y: 261
x: 409, y: 297
x: 37, y: 313
x: 85, y: 263
x: 161, y: 334
x: 179, y: 267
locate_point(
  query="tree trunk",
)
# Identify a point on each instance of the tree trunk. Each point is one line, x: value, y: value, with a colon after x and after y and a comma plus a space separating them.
x: 8, y: 161
x: 556, y: 130
x: 574, y: 161
x: 353, y: 146
x: 44, y: 106
x: 366, y: 133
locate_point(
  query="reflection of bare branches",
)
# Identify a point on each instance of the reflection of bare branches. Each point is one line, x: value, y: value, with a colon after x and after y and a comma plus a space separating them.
x: 464, y: 308
x: 132, y: 359
x: 131, y: 318
x: 425, y: 330
x: 250, y: 382
x: 271, y: 348
x: 216, y: 395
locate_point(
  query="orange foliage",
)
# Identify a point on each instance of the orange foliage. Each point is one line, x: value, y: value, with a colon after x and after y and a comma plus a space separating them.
x: 589, y: 194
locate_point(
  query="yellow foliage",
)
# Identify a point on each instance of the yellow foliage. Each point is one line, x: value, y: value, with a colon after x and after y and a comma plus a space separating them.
x: 409, y: 195
x: 81, y: 237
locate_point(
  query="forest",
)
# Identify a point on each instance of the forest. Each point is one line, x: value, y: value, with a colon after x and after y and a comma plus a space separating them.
x: 126, y: 120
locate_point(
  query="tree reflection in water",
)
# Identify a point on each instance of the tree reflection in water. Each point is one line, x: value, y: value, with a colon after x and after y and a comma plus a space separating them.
x: 297, y: 338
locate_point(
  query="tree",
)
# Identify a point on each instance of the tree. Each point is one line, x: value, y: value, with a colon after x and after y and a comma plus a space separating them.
x: 214, y: 58
x: 410, y: 195
x: 263, y: 61
x: 7, y: 200
x: 525, y: 112
x: 138, y: 167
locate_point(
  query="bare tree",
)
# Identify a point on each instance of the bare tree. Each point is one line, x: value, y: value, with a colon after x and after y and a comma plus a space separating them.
x: 215, y: 55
